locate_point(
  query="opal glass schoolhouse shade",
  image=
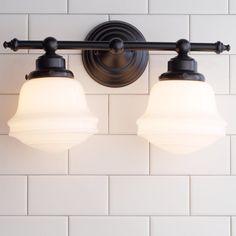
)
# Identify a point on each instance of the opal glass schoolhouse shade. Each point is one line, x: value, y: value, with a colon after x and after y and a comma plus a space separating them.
x: 181, y: 116
x: 52, y: 114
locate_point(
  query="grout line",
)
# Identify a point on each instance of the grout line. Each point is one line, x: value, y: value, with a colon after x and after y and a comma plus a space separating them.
x: 189, y: 28
x: 68, y: 225
x: 148, y: 7
x: 149, y: 73
x: 228, y: 6
x: 109, y: 17
x: 120, y: 14
x: 124, y: 134
x: 27, y: 194
x: 230, y: 75
x: 99, y: 134
x: 108, y: 196
x: 121, y: 175
x: 68, y: 162
x: 230, y: 226
x: 28, y: 27
x: 150, y: 225
x: 28, y: 33
x: 124, y: 94
x: 190, y: 196
x: 230, y: 154
x: 124, y: 215
x: 67, y: 6
x: 108, y: 115
x: 149, y: 158
x: 67, y: 57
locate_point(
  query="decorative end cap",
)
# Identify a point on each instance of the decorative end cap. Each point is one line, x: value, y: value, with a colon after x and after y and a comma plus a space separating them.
x: 6, y: 44
x: 13, y: 44
x: 227, y: 47
x: 220, y: 47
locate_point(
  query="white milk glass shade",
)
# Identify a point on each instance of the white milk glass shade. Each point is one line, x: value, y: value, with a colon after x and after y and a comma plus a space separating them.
x: 181, y: 116
x: 52, y: 114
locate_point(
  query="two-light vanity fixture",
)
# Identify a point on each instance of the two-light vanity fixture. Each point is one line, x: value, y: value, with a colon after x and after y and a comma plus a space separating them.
x: 52, y: 112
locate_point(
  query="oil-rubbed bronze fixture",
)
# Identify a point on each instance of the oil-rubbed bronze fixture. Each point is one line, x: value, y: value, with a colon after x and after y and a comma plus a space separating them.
x: 53, y: 115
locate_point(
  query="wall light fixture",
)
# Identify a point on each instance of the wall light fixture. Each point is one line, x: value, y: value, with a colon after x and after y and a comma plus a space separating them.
x: 53, y: 115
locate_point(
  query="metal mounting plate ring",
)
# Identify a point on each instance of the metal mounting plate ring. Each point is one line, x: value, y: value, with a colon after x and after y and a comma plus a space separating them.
x: 115, y: 70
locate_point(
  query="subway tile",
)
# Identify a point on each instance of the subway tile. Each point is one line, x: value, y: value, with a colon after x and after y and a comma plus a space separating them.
x: 27, y: 6
x: 112, y: 154
x: 215, y: 68
x: 205, y: 28
x: 197, y: 226
x: 158, y: 65
x: 232, y: 6
x: 18, y: 158
x: 149, y: 195
x: 225, y: 104
x: 106, y: 226
x: 8, y: 106
x: 211, y: 160
x: 33, y: 225
x: 98, y: 105
x: 42, y: 26
x: 106, y: 6
x: 153, y: 26
x: 233, y: 226
x: 213, y: 195
x: 188, y: 7
x: 12, y: 26
x: 13, y: 70
x: 233, y: 74
x: 124, y: 111
x: 13, y: 195
x: 67, y: 195
x: 233, y: 154
x: 140, y: 86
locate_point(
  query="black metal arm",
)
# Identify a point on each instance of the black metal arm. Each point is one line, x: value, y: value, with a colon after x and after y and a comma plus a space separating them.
x: 115, y: 54
x: 115, y: 45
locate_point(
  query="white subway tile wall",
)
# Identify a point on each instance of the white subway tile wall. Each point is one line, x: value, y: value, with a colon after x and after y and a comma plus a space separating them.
x: 28, y: 6
x: 116, y: 183
x: 33, y: 225
x: 68, y: 195
x: 16, y: 158
x: 187, y: 225
x: 109, y: 225
x: 22, y: 64
x: 12, y: 26
x: 13, y: 197
x: 124, y: 110
x: 98, y: 105
x: 189, y: 7
x: 213, y: 160
x: 127, y: 154
x: 149, y: 195
x: 107, y: 6
x: 8, y: 105
x: 213, y: 195
x: 158, y: 27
